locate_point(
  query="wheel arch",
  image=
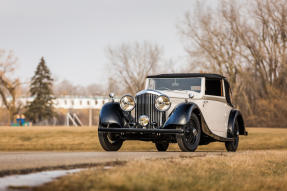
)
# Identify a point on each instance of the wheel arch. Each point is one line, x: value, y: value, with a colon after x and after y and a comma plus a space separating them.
x: 233, y: 116
x: 181, y: 114
x: 242, y: 129
x: 197, y: 112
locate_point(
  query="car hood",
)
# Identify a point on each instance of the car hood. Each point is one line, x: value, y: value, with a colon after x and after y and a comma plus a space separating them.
x: 184, y: 94
x: 180, y: 94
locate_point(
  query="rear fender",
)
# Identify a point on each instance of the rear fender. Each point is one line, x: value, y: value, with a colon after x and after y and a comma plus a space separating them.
x: 233, y: 116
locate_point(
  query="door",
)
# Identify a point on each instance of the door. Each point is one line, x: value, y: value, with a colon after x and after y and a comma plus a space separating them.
x: 215, y: 108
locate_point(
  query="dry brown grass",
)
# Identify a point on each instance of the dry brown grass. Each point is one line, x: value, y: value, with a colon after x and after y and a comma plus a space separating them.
x: 86, y: 139
x: 48, y: 138
x: 244, y: 171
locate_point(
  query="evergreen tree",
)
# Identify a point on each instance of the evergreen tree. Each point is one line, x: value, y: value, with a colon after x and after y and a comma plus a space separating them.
x: 41, y: 108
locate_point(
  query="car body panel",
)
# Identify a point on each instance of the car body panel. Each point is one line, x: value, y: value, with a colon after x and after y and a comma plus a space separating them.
x: 216, y: 113
x: 215, y: 110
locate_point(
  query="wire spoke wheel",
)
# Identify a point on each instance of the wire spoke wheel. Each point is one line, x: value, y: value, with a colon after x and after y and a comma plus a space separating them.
x: 231, y: 146
x: 110, y: 141
x: 188, y: 142
x: 191, y: 133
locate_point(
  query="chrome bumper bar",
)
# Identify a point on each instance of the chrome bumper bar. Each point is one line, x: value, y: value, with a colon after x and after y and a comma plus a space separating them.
x: 140, y: 130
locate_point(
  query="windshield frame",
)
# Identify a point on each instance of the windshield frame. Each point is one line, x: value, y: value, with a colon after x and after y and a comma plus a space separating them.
x: 199, y: 92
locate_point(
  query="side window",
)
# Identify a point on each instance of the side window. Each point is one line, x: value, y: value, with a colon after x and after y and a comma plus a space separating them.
x: 213, y: 87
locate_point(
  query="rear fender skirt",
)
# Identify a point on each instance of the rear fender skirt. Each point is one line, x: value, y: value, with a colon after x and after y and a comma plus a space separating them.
x: 111, y: 113
x: 180, y: 116
x: 233, y: 116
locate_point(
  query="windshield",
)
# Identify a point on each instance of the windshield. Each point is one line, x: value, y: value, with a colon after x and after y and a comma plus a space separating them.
x: 191, y: 84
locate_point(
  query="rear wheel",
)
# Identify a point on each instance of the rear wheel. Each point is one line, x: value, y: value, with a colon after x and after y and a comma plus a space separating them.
x: 188, y: 142
x: 161, y: 146
x: 110, y: 141
x: 231, y: 146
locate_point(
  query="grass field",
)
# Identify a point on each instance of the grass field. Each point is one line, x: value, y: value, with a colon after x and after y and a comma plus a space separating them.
x: 261, y: 164
x: 242, y: 171
x: 86, y: 139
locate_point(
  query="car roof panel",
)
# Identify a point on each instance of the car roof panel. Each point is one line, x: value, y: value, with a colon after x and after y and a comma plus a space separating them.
x: 186, y: 75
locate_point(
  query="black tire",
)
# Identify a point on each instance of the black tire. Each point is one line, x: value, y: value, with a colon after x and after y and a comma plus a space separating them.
x: 231, y: 146
x: 110, y: 141
x: 162, y: 146
x: 188, y: 142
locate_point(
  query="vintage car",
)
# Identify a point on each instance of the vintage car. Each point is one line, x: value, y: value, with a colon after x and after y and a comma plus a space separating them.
x: 190, y: 109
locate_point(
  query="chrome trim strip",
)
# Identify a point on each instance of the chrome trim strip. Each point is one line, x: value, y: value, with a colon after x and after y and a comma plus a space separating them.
x: 215, y: 98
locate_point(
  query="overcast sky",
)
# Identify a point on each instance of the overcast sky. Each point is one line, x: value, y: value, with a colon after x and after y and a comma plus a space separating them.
x: 73, y: 35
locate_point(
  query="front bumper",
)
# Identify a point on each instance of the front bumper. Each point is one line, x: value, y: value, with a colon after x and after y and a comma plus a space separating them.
x: 141, y: 130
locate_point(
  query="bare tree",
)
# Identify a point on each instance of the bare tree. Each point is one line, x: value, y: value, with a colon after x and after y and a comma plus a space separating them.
x: 131, y: 63
x: 246, y: 42
x: 266, y: 42
x: 66, y: 87
x: 9, y: 86
x: 95, y: 90
x: 213, y: 45
x: 113, y: 86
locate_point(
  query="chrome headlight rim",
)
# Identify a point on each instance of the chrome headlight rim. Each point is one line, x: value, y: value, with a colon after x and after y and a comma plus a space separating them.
x: 167, y: 105
x: 132, y: 105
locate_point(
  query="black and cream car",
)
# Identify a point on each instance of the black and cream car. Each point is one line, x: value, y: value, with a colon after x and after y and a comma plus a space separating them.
x: 190, y: 109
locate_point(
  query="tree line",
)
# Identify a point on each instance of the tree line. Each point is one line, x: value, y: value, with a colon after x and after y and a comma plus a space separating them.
x: 245, y: 41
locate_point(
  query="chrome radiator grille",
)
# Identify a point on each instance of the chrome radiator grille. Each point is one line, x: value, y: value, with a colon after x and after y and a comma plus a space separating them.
x: 145, y: 106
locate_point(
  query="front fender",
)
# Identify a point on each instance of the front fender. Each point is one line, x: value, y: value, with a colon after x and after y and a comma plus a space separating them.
x: 180, y: 115
x: 111, y: 113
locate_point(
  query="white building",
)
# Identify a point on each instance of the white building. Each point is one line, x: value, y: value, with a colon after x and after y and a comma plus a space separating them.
x: 72, y: 102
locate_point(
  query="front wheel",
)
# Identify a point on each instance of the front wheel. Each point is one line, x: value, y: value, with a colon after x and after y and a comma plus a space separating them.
x: 188, y: 142
x: 110, y: 141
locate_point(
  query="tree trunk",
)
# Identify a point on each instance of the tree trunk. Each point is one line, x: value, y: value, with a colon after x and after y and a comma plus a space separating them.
x: 11, y: 116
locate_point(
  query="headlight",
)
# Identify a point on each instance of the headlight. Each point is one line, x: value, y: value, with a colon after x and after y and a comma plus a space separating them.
x: 127, y: 103
x: 162, y: 103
